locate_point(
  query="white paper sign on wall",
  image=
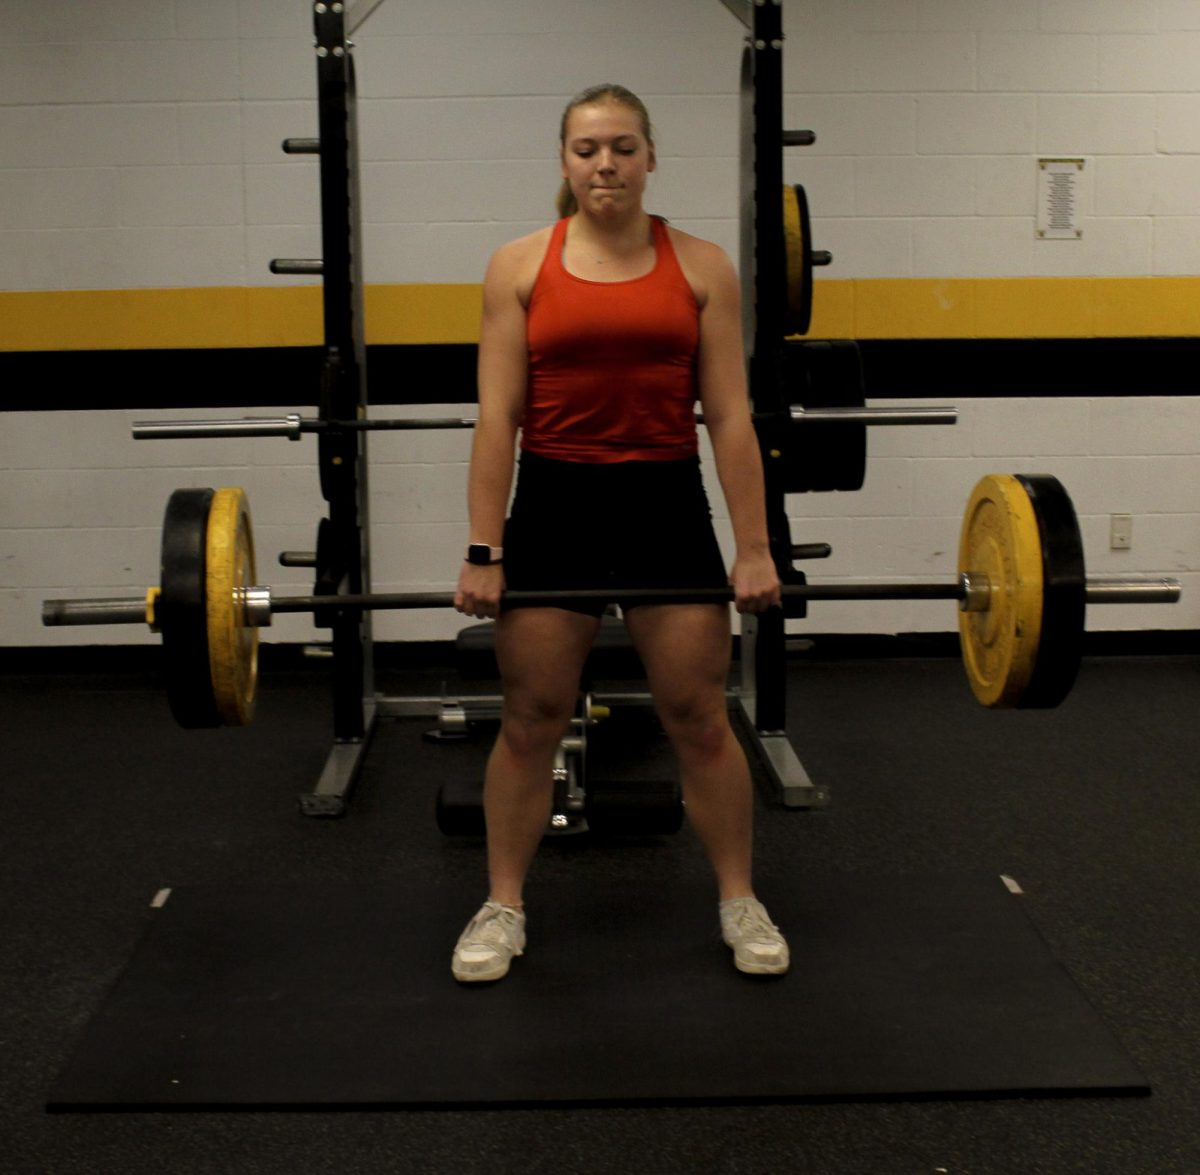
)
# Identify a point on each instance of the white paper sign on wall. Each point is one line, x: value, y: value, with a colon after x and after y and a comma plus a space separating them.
x: 1058, y: 199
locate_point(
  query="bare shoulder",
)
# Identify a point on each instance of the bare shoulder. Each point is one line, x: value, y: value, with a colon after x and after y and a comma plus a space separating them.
x: 697, y: 249
x: 706, y: 266
x: 514, y: 266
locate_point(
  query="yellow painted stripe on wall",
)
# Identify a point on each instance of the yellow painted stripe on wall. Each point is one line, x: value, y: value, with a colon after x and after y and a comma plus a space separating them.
x: 423, y: 314
x: 1006, y: 308
x: 868, y: 308
x: 286, y: 316
x: 101, y: 320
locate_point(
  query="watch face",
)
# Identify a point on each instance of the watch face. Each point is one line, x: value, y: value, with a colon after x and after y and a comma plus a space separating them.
x: 479, y: 553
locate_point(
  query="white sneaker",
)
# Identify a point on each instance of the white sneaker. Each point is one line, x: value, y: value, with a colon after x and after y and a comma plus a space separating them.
x: 487, y: 946
x: 758, y: 947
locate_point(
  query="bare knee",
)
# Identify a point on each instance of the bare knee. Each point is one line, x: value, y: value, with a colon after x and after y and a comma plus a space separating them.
x: 532, y: 727
x: 698, y: 726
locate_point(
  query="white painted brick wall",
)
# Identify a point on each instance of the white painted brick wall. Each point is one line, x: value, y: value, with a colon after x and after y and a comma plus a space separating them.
x: 1110, y: 124
x: 976, y: 124
x: 1179, y: 124
x: 211, y: 20
x: 211, y: 132
x: 140, y: 147
x: 1149, y: 64
x: 907, y: 99
x: 1176, y: 246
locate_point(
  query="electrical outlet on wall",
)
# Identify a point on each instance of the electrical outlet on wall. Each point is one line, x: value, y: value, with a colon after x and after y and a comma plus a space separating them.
x: 1120, y: 532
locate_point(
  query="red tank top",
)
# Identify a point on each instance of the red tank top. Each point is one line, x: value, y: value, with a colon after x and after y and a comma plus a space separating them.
x: 612, y: 365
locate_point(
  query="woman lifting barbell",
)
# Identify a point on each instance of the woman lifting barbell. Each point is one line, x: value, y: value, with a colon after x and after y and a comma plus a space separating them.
x: 599, y: 334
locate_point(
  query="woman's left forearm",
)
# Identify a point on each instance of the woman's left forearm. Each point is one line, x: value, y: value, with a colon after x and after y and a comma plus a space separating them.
x: 739, y: 469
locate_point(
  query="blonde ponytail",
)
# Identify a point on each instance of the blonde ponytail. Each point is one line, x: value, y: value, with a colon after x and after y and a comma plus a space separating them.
x: 565, y: 201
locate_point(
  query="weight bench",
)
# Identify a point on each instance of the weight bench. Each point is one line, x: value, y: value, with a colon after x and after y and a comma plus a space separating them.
x: 611, y: 797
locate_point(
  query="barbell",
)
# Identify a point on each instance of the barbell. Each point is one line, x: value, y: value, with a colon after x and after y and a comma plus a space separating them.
x: 1020, y: 588
x: 293, y: 426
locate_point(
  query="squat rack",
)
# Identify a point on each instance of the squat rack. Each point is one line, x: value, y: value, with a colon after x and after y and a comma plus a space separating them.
x: 341, y: 560
x: 762, y: 699
x: 342, y: 452
x: 775, y: 367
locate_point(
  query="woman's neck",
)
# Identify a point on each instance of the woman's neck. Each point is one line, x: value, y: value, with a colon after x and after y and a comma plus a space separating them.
x: 612, y: 238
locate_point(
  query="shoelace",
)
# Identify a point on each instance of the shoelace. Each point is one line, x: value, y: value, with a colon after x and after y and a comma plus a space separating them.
x: 493, y: 927
x: 752, y: 922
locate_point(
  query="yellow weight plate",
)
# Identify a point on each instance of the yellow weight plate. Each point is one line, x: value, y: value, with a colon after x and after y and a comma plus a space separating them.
x: 152, y: 595
x: 797, y: 269
x: 232, y: 643
x: 797, y: 261
x: 1000, y: 540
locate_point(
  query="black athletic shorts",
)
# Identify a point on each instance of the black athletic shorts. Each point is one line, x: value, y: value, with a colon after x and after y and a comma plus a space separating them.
x: 631, y: 524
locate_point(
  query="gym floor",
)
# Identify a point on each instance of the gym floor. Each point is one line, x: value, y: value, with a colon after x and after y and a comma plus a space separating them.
x: 1092, y: 808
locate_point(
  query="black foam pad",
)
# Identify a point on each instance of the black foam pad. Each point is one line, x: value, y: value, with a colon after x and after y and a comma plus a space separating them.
x: 341, y: 996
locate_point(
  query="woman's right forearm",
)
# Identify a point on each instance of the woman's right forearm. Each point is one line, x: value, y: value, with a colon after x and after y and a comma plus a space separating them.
x: 490, y: 480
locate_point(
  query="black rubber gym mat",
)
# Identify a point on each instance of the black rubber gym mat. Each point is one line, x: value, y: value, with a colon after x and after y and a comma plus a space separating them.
x: 340, y: 996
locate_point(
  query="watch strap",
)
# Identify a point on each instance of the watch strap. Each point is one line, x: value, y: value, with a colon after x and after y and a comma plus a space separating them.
x: 483, y: 555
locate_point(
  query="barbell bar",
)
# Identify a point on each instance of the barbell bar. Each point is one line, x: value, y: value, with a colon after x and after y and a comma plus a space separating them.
x: 293, y: 426
x: 259, y: 603
x: 1020, y: 588
x: 971, y: 592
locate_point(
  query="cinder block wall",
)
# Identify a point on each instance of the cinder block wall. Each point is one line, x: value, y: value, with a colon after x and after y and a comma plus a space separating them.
x: 139, y: 150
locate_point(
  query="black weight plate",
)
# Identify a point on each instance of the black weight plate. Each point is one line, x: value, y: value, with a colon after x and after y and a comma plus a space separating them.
x: 634, y: 807
x: 1064, y: 579
x: 794, y: 607
x: 460, y: 807
x: 824, y: 456
x: 181, y: 609
x: 330, y: 572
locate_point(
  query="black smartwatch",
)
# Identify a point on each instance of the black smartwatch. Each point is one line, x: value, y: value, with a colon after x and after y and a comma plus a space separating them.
x: 484, y: 556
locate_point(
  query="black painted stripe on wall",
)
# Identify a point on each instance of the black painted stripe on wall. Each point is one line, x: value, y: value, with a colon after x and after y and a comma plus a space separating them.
x: 288, y: 377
